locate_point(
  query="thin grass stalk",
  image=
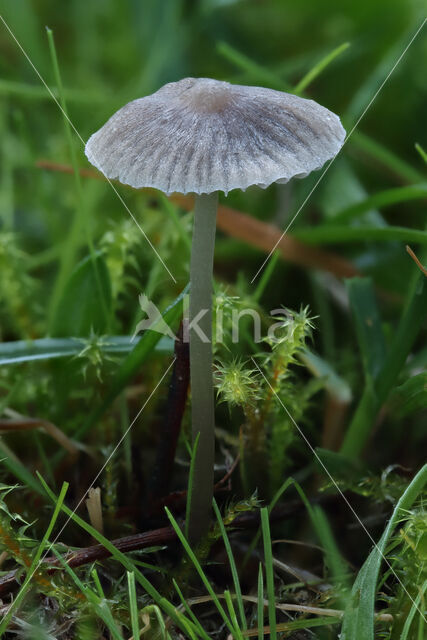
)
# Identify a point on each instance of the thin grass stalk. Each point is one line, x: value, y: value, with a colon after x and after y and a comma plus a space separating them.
x: 233, y: 567
x: 269, y: 573
x: 260, y: 604
x: 133, y: 605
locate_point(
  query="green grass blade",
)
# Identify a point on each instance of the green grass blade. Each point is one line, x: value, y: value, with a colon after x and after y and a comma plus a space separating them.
x: 334, y: 234
x: 233, y: 567
x: 411, y: 396
x: 199, y: 570
x: 257, y: 72
x: 126, y: 562
x: 414, y: 609
x: 381, y: 199
x: 21, y: 351
x: 358, y: 619
x: 412, y: 320
x: 83, y: 587
x: 152, y: 608
x: 319, y: 67
x: 36, y: 92
x: 287, y: 483
x: 321, y: 368
x: 266, y: 276
x: 171, y: 210
x: 339, y: 466
x: 79, y: 309
x: 421, y: 623
x: 421, y: 151
x: 34, y: 564
x: 379, y: 71
x: 17, y: 469
x: 407, y: 331
x: 98, y: 603
x: 269, y: 572
x: 368, y: 326
x: 260, y: 604
x: 334, y: 561
x: 202, y: 633
x: 229, y: 602
x: 384, y: 156
x: 325, y: 322
x: 97, y: 583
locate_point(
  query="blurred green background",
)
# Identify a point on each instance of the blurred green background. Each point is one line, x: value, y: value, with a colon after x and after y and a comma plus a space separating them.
x: 113, y: 51
x: 110, y: 52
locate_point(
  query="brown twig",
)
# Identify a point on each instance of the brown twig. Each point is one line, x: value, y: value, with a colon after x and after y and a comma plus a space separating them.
x: 267, y: 236
x: 98, y: 552
x: 67, y: 168
x: 84, y: 556
x: 415, y: 259
x: 23, y: 423
x: 157, y: 537
x: 247, y: 228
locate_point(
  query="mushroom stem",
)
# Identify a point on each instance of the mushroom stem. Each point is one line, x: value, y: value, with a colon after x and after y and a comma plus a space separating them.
x: 200, y: 330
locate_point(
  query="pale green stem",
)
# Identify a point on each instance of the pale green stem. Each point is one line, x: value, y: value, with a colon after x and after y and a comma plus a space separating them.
x: 202, y: 403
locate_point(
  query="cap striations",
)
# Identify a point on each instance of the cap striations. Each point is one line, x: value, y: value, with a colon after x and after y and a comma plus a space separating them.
x: 201, y: 135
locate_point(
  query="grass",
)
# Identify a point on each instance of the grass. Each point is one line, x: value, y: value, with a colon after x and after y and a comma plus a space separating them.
x: 358, y: 620
x: 269, y: 572
x: 282, y: 557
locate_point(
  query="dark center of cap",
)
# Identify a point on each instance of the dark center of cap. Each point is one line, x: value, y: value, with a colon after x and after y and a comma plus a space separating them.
x: 204, y: 95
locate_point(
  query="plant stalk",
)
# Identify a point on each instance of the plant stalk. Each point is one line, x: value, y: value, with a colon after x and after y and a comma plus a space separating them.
x: 372, y: 400
x: 200, y: 335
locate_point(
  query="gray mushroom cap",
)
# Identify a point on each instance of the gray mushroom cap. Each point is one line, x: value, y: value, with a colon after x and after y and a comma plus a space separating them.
x: 200, y: 135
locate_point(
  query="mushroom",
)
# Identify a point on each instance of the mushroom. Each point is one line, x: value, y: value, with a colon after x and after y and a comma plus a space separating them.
x: 203, y: 136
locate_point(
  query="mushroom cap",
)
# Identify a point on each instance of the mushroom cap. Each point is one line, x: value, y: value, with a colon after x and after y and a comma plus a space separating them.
x: 200, y: 135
